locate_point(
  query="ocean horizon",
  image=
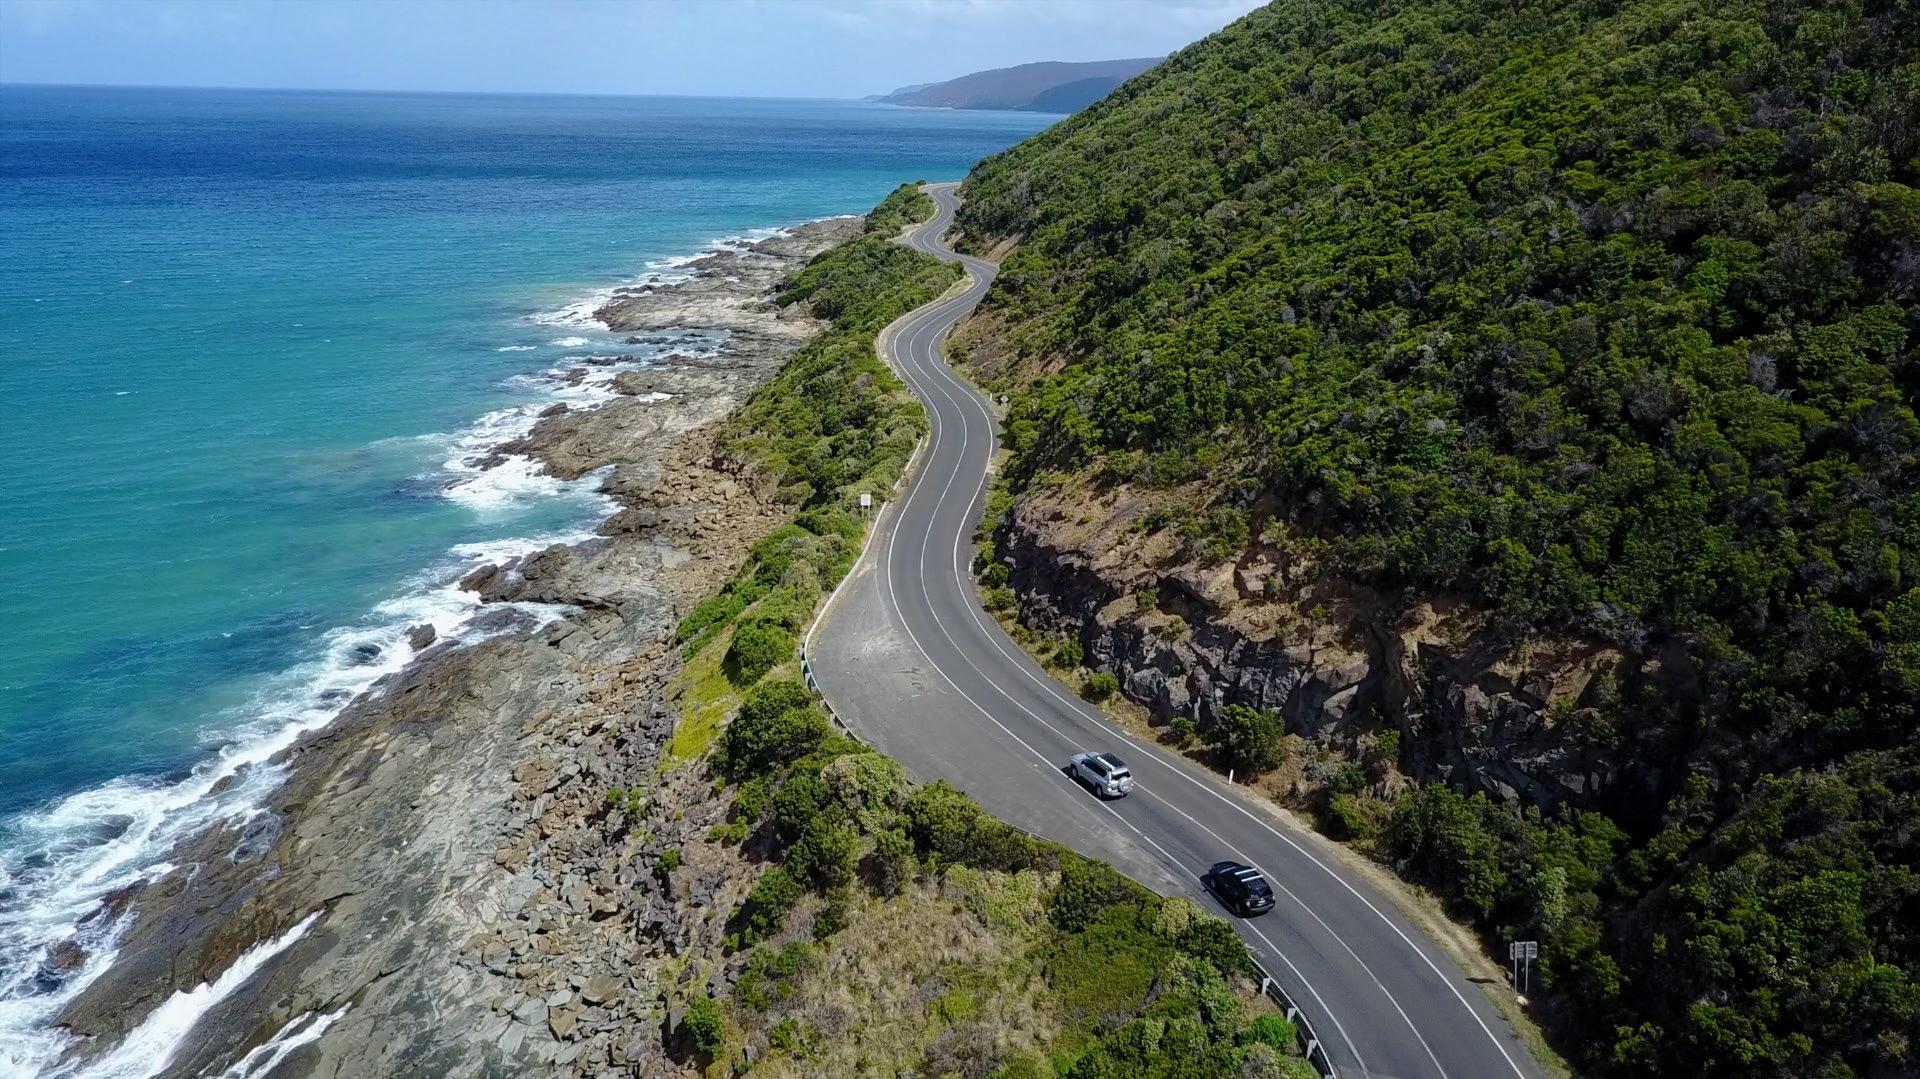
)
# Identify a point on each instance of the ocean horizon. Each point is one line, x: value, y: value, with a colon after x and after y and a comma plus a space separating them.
x: 252, y: 341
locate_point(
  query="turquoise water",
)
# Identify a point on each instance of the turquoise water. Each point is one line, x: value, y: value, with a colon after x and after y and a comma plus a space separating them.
x: 246, y: 339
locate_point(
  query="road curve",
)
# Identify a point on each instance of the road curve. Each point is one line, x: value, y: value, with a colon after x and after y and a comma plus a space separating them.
x: 910, y: 661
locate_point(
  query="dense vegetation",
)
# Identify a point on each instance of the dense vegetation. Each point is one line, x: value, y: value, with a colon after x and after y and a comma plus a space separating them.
x: 1142, y: 986
x: 1605, y: 314
x: 833, y: 423
x: 1132, y: 984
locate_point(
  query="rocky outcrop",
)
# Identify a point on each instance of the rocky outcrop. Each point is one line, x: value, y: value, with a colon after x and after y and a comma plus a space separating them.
x: 731, y: 290
x: 1186, y: 635
x: 505, y: 873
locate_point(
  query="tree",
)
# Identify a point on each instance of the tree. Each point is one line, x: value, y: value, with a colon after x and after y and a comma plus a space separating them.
x: 1247, y: 740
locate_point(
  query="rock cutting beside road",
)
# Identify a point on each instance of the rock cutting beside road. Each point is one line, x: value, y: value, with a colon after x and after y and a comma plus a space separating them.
x: 483, y: 836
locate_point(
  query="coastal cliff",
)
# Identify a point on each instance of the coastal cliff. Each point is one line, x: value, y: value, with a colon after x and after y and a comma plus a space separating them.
x: 442, y: 881
x: 1344, y: 664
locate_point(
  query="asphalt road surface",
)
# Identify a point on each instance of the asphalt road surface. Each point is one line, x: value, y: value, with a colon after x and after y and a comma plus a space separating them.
x: 911, y: 663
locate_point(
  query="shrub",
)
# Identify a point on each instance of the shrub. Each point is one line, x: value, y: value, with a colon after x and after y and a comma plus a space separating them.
x: 1247, y: 740
x: 1087, y: 888
x: 709, y: 613
x: 1213, y: 940
x: 948, y: 826
x: 1001, y: 600
x: 798, y: 801
x: 769, y: 974
x: 831, y: 918
x: 1182, y: 731
x: 1068, y: 655
x: 1272, y: 1030
x: 823, y: 854
x: 1386, y: 750
x: 758, y: 647
x: 1440, y: 837
x: 1347, y: 817
x: 703, y: 1026
x: 766, y: 907
x: 870, y: 785
x: 777, y: 724
x: 1100, y: 686
x: 891, y: 864
x: 1348, y: 779
x: 995, y: 575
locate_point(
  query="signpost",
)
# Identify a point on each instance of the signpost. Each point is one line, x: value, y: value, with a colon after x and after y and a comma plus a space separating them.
x: 1523, y: 953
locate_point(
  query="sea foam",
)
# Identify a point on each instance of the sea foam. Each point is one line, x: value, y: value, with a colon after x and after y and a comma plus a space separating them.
x: 58, y: 863
x: 150, y: 1047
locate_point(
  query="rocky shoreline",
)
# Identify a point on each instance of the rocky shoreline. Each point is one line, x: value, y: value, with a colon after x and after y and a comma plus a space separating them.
x: 468, y: 872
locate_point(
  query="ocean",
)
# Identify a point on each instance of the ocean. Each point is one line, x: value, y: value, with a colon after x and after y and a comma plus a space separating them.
x: 248, y: 340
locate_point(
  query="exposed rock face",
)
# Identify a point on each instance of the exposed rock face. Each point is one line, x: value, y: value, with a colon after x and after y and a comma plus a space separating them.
x: 1185, y: 636
x: 482, y: 835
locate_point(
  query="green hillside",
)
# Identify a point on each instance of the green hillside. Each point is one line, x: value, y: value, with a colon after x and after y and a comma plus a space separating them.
x: 1605, y: 314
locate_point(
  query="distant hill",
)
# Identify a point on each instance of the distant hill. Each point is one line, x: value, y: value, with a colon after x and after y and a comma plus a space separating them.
x: 1049, y: 86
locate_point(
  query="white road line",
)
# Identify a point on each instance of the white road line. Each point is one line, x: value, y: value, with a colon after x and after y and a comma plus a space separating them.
x: 1228, y: 847
x: 893, y: 600
x: 1048, y: 687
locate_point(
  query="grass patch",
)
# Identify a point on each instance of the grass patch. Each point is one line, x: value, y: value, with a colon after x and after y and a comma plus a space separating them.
x: 707, y: 696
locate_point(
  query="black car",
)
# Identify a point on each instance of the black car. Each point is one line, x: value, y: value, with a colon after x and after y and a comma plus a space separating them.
x: 1240, y: 887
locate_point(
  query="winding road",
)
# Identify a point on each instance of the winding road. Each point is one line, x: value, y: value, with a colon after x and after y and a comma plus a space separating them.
x: 911, y: 663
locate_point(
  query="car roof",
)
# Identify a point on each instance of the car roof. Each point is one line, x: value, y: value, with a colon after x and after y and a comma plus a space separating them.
x: 1111, y: 760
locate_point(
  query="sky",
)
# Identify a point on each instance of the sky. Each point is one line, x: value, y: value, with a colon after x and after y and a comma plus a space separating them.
x: 758, y: 48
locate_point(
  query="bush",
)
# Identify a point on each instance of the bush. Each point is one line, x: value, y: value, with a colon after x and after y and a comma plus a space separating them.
x: 1348, y: 817
x: 1087, y: 888
x: 1182, y: 731
x: 823, y: 854
x: 870, y: 785
x: 766, y: 907
x: 948, y: 826
x: 1099, y: 686
x: 798, y: 801
x: 1247, y: 740
x: 1001, y: 600
x: 769, y: 974
x: 1442, y: 838
x: 708, y: 614
x: 1213, y: 940
x: 777, y: 725
x: 758, y: 647
x: 1274, y: 1030
x: 891, y: 864
x: 1068, y: 654
x: 703, y: 1026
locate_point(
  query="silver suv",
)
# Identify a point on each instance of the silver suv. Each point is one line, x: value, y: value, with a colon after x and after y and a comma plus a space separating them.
x: 1102, y: 773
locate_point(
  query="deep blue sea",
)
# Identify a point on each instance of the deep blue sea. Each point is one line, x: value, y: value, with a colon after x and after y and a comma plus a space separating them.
x: 247, y: 340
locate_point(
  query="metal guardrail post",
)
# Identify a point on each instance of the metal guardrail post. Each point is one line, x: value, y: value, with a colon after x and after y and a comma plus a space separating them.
x: 1310, y: 1046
